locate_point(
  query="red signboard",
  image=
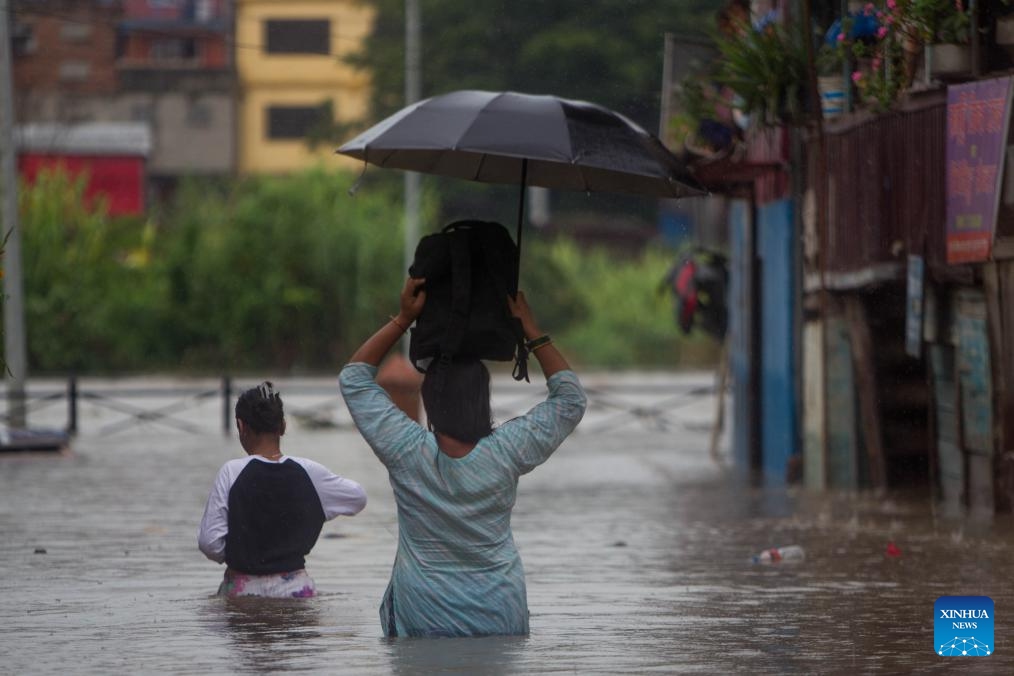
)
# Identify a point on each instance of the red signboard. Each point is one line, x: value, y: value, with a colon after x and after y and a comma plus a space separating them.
x: 119, y: 179
x: 977, y: 120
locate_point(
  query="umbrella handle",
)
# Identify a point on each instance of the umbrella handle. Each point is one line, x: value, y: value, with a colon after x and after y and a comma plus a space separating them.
x: 521, y: 218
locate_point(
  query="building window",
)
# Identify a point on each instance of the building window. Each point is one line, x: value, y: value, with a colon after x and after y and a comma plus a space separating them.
x: 294, y: 122
x: 74, y: 31
x: 142, y: 112
x: 23, y: 40
x: 173, y: 49
x: 297, y: 36
x: 75, y: 71
x: 204, y: 11
x: 199, y: 115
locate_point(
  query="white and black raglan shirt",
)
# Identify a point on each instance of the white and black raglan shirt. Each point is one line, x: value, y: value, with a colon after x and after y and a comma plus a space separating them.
x: 263, y: 517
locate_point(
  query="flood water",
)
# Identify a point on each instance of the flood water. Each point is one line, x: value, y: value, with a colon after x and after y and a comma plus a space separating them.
x: 635, y: 543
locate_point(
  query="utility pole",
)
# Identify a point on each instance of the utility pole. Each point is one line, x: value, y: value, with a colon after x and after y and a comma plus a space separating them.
x: 413, y: 90
x: 14, y: 315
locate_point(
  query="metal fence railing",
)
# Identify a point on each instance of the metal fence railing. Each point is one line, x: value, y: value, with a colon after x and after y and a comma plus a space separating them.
x: 200, y: 407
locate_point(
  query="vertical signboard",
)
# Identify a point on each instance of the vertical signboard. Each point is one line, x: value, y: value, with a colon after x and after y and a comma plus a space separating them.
x: 977, y: 122
x: 974, y: 372
x: 913, y: 307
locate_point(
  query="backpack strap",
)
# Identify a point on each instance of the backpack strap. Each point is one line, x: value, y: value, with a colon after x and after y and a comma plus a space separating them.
x: 521, y: 355
x: 461, y: 291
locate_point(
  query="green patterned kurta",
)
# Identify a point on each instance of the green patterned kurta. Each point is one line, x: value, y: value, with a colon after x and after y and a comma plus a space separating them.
x: 457, y: 571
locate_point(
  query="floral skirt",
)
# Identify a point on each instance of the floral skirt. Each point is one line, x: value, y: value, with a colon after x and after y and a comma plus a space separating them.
x: 296, y: 584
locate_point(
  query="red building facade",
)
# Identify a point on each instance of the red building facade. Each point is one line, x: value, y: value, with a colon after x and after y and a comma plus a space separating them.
x: 113, y: 157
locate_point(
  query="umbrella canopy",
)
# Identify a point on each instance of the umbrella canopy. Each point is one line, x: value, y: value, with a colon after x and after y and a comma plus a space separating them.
x: 508, y: 137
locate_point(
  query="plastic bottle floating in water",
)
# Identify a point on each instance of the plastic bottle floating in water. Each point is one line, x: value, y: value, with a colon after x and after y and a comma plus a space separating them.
x: 780, y: 555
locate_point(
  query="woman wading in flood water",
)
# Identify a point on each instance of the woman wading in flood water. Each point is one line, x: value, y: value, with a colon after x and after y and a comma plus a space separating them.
x: 457, y: 571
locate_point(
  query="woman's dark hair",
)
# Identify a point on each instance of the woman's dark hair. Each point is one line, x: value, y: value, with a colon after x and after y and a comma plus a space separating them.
x: 456, y: 398
x: 260, y: 409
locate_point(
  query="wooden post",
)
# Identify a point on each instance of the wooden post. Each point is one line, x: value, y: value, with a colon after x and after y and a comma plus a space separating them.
x: 723, y: 379
x: 866, y: 386
x: 72, y: 405
x: 227, y: 415
x: 998, y: 283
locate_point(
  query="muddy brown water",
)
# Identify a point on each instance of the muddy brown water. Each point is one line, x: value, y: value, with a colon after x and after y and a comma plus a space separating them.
x: 635, y: 543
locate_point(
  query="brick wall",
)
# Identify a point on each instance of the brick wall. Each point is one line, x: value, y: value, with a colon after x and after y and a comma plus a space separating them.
x: 71, y: 48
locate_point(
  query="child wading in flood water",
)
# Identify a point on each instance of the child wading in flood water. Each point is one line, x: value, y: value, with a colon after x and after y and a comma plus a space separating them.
x: 266, y: 510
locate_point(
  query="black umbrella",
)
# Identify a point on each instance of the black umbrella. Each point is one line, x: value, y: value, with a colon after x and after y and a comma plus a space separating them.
x: 528, y: 140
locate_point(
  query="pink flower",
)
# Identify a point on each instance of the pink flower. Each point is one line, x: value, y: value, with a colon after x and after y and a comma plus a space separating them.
x: 841, y: 37
x: 876, y: 63
x: 869, y: 9
x: 882, y: 32
x: 889, y: 20
x: 891, y: 4
x: 857, y: 76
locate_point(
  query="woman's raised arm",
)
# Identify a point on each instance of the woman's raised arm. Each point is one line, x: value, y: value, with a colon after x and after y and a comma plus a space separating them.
x: 376, y: 347
x: 550, y: 359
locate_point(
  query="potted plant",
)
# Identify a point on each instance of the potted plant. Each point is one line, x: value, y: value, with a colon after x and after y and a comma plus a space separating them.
x: 831, y: 82
x: 766, y: 68
x: 883, y: 80
x: 875, y: 41
x: 697, y: 124
x: 945, y: 28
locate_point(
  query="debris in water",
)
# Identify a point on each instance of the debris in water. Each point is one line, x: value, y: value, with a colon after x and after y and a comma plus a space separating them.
x: 779, y: 554
x: 40, y: 550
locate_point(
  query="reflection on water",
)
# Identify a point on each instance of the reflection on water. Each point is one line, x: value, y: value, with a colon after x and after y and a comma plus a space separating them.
x: 496, y: 655
x: 267, y: 633
x: 636, y: 549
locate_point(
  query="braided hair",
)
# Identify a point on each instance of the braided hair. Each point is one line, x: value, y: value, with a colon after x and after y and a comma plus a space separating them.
x: 260, y: 409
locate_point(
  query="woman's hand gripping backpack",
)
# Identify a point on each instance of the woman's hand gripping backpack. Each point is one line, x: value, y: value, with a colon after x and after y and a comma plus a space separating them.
x: 470, y: 267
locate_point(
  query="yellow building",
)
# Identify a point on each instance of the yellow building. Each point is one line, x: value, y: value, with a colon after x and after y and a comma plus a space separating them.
x: 289, y: 62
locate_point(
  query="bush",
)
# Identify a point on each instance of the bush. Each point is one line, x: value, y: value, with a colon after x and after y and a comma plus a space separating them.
x: 289, y: 274
x: 282, y: 272
x: 90, y: 300
x: 608, y: 312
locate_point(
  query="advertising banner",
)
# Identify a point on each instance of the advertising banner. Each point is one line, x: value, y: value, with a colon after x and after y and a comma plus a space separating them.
x: 977, y: 122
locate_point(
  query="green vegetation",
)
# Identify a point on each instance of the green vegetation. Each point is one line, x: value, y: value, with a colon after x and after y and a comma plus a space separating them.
x: 606, y: 52
x: 606, y: 312
x: 288, y: 274
x: 609, y: 52
x: 89, y: 299
x: 767, y: 69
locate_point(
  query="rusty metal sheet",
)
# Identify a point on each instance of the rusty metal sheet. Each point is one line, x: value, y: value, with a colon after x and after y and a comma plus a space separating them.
x: 886, y: 190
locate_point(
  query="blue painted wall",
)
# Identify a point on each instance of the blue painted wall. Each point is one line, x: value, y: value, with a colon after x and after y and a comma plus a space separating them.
x: 739, y: 329
x: 779, y: 405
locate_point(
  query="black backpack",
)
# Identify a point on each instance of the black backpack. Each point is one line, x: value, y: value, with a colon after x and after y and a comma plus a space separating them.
x: 470, y: 267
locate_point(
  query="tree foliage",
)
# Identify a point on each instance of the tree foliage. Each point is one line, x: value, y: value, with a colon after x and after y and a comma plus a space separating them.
x: 609, y: 312
x: 287, y: 274
x: 87, y: 290
x: 609, y: 52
